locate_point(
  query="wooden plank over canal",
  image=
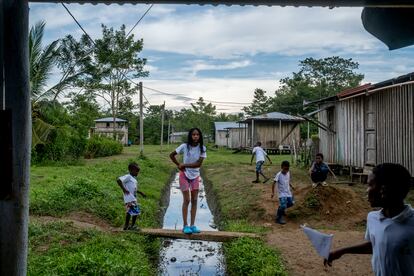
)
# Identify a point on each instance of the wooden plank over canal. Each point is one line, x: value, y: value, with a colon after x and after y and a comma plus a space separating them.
x: 218, y: 236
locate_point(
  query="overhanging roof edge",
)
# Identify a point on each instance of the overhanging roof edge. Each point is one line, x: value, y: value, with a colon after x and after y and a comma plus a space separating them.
x: 295, y: 3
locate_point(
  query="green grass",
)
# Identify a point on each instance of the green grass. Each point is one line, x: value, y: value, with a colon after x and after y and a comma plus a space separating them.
x: 57, y: 248
x: 238, y: 199
x: 247, y: 256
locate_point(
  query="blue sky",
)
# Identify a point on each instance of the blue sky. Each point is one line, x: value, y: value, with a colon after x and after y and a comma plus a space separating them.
x: 223, y: 53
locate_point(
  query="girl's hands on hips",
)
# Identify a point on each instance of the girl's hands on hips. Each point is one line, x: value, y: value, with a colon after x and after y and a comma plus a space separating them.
x: 181, y: 167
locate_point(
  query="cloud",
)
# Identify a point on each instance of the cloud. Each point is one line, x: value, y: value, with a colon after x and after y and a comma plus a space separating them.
x: 224, y: 32
x: 223, y: 90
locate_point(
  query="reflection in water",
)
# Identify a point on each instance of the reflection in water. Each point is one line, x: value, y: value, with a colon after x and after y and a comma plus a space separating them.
x: 186, y: 257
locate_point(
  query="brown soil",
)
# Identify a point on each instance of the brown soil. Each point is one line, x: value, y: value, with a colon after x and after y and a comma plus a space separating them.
x: 81, y: 220
x: 340, y: 208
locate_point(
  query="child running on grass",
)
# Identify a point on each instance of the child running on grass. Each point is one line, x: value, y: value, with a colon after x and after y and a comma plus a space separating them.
x: 128, y: 184
x: 319, y: 171
x: 194, y: 152
x: 260, y: 154
x: 390, y: 231
x: 282, y: 181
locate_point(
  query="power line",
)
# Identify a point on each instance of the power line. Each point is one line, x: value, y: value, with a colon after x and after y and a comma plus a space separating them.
x: 139, y: 20
x: 189, y: 98
x: 80, y: 26
x: 146, y: 99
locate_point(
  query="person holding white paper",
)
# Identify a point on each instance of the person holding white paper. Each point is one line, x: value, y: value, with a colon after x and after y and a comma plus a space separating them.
x: 390, y: 231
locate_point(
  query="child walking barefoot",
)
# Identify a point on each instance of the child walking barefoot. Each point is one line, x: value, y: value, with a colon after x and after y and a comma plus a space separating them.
x: 194, y: 152
x: 129, y: 184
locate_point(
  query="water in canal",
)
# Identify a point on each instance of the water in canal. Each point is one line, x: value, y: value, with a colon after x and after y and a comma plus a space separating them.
x: 190, y: 257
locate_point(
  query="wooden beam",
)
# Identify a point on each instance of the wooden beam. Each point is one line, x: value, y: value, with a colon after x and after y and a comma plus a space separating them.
x: 218, y: 236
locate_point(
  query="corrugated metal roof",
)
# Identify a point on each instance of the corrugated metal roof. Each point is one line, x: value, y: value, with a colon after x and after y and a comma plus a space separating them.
x: 226, y: 125
x: 399, y: 79
x: 296, y: 3
x: 110, y: 120
x: 275, y: 116
x: 354, y: 91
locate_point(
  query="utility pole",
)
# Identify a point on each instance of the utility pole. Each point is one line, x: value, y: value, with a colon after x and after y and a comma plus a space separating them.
x: 169, y: 131
x: 162, y: 124
x: 141, y: 120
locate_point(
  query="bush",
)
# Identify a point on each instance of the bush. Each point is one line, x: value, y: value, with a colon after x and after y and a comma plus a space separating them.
x: 63, y: 143
x: 102, y: 146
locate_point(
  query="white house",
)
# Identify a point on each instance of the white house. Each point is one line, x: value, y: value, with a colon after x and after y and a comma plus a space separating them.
x: 105, y: 127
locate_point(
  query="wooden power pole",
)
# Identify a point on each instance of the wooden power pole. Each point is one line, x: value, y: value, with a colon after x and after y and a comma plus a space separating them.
x: 141, y: 120
x: 162, y: 124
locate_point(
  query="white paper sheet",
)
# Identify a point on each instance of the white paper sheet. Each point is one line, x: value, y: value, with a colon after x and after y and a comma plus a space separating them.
x: 320, y: 241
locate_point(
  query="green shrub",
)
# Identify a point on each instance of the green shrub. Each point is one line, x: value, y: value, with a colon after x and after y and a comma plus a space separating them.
x: 248, y: 256
x: 102, y: 146
x: 63, y: 143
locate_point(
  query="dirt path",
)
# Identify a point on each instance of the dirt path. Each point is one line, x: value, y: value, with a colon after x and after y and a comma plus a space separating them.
x: 302, y: 259
x: 343, y: 209
x: 81, y: 220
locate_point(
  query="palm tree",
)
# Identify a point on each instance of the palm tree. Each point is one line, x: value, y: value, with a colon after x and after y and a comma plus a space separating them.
x: 41, y: 62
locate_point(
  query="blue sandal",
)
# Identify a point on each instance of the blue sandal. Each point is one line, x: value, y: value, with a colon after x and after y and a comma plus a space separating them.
x: 187, y: 230
x: 194, y: 229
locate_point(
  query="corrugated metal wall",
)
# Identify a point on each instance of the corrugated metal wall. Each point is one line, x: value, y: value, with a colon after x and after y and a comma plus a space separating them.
x: 393, y: 110
x: 350, y: 144
x: 395, y: 125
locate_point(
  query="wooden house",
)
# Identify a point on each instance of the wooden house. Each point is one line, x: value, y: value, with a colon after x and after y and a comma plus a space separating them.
x: 105, y: 127
x: 229, y: 134
x: 369, y: 124
x: 274, y: 130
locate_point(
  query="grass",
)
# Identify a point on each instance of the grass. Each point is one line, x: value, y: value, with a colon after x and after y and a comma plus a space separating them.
x: 58, y: 248
x: 247, y: 256
x: 238, y: 198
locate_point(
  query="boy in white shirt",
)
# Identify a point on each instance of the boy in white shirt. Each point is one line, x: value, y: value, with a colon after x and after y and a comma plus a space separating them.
x: 260, y: 154
x: 282, y: 180
x: 390, y: 231
x: 129, y: 184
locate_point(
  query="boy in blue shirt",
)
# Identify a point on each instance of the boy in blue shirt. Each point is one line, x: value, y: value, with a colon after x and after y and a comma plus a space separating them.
x: 319, y: 171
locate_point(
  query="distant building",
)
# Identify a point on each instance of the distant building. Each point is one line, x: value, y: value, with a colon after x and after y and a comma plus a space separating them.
x: 105, y: 127
x: 229, y: 134
x: 178, y: 137
x: 274, y: 130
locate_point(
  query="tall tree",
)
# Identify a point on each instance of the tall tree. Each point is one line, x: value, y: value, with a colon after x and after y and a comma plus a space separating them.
x: 115, y: 59
x: 259, y: 105
x: 330, y: 75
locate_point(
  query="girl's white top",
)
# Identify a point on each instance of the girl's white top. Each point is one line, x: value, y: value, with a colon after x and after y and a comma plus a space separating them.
x: 191, y: 155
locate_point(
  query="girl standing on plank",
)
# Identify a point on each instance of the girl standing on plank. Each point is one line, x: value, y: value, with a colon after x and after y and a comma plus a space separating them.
x: 194, y: 152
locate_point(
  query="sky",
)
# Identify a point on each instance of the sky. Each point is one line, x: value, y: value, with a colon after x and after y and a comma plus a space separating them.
x: 223, y: 53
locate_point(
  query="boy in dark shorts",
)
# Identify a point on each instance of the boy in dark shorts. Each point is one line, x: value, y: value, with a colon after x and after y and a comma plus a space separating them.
x: 319, y: 171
